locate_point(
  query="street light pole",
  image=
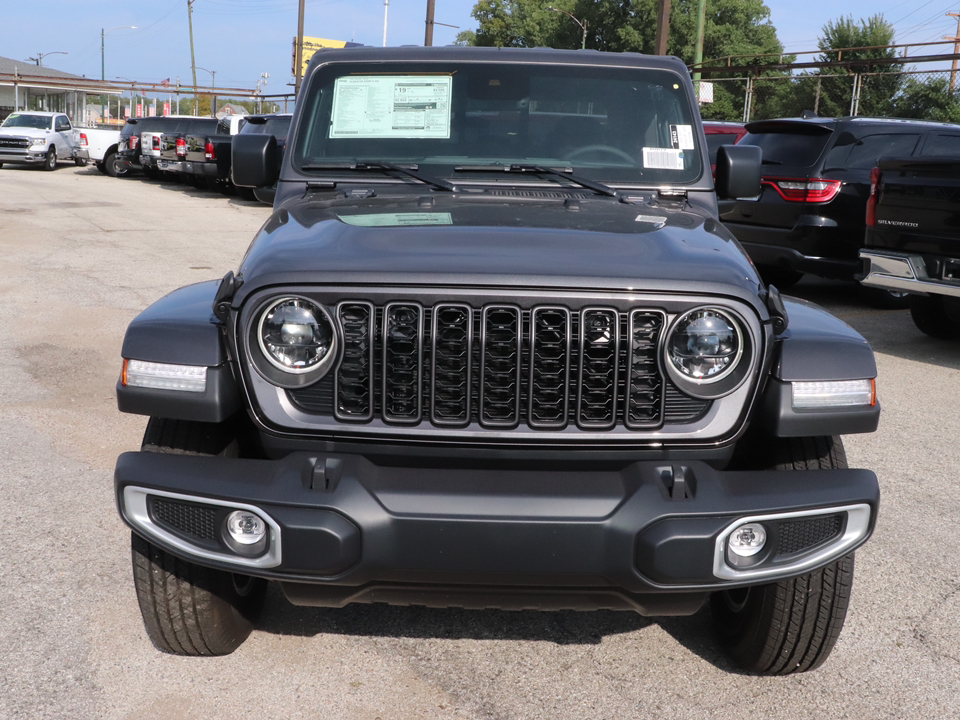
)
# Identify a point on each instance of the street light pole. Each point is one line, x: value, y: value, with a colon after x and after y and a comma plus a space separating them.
x: 213, y: 105
x: 40, y: 56
x: 103, y: 64
x: 583, y: 25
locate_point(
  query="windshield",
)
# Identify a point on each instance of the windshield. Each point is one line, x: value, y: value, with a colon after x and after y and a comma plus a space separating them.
x: 614, y: 125
x: 37, y: 122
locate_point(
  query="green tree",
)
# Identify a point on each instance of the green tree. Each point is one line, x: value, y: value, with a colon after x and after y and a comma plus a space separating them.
x: 732, y: 27
x: 927, y: 99
x: 867, y: 38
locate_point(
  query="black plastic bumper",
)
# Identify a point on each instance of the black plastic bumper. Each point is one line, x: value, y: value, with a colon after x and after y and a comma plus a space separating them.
x: 645, y: 528
x: 820, y: 249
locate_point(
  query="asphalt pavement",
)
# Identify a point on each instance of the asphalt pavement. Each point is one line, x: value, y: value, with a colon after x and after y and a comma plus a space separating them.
x: 81, y: 254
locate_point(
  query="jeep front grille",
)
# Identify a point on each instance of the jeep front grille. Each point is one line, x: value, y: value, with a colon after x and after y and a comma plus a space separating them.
x: 499, y: 366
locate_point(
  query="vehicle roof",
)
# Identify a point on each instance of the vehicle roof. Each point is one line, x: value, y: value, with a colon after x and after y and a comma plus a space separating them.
x: 493, y: 54
x: 831, y: 123
x: 43, y: 113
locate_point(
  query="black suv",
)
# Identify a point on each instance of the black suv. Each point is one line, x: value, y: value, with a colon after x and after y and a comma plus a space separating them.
x: 810, y: 215
x: 493, y: 348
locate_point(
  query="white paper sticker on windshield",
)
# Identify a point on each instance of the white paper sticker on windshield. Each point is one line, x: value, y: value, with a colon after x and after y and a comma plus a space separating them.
x: 658, y: 220
x: 398, y: 219
x: 682, y: 136
x: 662, y: 158
x: 394, y: 106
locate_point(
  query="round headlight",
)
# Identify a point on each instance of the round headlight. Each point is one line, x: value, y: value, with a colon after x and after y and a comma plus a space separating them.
x: 705, y: 345
x: 296, y: 335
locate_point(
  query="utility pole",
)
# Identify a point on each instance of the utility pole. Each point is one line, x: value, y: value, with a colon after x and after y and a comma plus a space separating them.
x: 193, y: 60
x: 698, y: 50
x: 428, y: 38
x: 663, y: 28
x: 298, y: 53
x: 386, y: 12
x: 956, y: 51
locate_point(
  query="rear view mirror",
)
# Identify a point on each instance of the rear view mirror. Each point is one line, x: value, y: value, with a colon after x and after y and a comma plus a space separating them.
x: 738, y: 171
x: 254, y: 160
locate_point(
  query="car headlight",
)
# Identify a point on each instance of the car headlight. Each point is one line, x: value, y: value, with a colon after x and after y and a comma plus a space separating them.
x: 297, y: 340
x: 38, y: 141
x: 705, y: 352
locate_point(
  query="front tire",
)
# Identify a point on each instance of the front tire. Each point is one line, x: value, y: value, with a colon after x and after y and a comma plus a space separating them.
x: 110, y: 165
x: 792, y: 625
x: 189, y: 609
x: 50, y: 161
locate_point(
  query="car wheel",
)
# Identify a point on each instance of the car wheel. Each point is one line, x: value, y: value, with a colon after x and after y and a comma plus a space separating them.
x: 50, y: 161
x: 792, y: 625
x: 885, y: 299
x: 931, y: 315
x: 781, y: 278
x: 110, y: 165
x: 100, y: 166
x: 189, y: 609
x: 247, y: 194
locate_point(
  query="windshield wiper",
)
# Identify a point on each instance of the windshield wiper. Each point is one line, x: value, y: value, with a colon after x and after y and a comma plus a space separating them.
x: 566, y: 173
x: 410, y: 171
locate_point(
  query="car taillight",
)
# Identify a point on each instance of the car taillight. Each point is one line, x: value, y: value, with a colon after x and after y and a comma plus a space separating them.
x: 181, y: 147
x: 134, y: 141
x: 156, y: 142
x: 83, y: 139
x: 872, y: 200
x: 812, y: 190
x: 210, y: 152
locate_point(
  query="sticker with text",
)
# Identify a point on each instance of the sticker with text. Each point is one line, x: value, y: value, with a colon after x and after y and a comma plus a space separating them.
x: 662, y: 158
x: 681, y: 137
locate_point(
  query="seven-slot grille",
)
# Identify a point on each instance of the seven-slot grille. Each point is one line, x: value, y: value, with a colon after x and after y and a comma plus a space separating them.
x: 500, y: 366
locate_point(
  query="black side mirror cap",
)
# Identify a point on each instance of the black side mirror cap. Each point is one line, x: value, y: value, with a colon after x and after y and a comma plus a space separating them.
x: 739, y: 168
x: 254, y: 160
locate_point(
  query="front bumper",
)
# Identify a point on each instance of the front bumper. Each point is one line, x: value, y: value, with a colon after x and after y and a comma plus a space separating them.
x: 905, y: 272
x: 23, y: 156
x: 649, y: 535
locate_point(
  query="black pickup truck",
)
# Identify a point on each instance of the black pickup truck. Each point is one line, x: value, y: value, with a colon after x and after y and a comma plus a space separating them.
x: 493, y: 348
x: 198, y: 150
x: 912, y: 241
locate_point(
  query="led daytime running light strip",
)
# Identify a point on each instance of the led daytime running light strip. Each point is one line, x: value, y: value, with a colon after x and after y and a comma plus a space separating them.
x: 160, y: 376
x: 836, y: 393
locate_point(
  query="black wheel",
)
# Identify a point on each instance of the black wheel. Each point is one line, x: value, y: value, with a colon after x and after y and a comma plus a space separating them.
x: 885, y: 299
x: 189, y: 609
x: 932, y: 316
x: 780, y: 277
x: 1, y: 165
x: 80, y: 162
x: 792, y: 625
x: 101, y: 167
x: 246, y: 193
x: 152, y: 173
x: 50, y: 161
x: 110, y: 165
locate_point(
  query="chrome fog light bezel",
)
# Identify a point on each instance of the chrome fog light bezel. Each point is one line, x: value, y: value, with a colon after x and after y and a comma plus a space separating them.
x: 135, y: 510
x: 856, y: 530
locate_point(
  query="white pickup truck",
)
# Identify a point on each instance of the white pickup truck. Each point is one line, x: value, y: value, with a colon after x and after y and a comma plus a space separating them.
x: 39, y: 138
x: 100, y: 146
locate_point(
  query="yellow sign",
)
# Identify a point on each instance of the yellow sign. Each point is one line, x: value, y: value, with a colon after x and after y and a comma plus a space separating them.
x: 310, y: 46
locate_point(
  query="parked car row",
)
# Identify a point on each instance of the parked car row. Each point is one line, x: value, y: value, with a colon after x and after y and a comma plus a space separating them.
x: 811, y: 213
x: 194, y: 150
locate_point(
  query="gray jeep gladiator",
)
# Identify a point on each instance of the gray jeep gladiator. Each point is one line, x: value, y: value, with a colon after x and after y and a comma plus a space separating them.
x: 493, y: 348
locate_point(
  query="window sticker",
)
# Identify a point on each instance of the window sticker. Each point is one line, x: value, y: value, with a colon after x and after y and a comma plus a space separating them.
x: 662, y: 158
x: 656, y: 220
x: 681, y: 136
x: 398, y: 219
x: 394, y: 106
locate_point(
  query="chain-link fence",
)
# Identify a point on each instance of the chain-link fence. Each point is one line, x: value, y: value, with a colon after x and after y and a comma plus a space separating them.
x: 922, y: 94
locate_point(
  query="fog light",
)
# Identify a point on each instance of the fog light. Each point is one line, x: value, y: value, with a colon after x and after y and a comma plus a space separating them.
x: 747, y: 540
x: 245, y: 527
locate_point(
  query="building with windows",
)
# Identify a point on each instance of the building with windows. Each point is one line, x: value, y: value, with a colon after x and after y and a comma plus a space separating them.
x: 25, y: 86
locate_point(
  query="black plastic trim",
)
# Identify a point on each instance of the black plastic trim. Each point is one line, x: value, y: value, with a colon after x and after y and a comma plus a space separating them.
x: 780, y: 419
x: 219, y: 401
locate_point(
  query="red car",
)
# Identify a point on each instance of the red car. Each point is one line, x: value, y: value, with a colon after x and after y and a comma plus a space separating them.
x: 721, y: 133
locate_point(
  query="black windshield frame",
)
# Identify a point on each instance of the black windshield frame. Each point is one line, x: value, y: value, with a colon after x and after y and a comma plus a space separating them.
x: 512, y: 113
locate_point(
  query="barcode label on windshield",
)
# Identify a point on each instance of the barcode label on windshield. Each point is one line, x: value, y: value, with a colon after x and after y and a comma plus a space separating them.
x: 663, y: 158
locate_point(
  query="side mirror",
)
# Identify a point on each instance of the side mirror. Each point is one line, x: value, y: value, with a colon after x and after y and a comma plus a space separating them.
x: 738, y: 171
x: 254, y: 160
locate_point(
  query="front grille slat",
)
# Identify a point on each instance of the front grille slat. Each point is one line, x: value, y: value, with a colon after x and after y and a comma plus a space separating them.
x: 500, y: 353
x: 402, y: 363
x: 497, y: 366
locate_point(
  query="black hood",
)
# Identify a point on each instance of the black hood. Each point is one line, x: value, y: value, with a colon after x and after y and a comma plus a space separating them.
x: 540, y: 239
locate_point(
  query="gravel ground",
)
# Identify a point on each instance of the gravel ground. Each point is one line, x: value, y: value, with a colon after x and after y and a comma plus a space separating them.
x: 82, y: 254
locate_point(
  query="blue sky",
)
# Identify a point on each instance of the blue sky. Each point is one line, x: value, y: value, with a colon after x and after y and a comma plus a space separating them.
x: 240, y: 39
